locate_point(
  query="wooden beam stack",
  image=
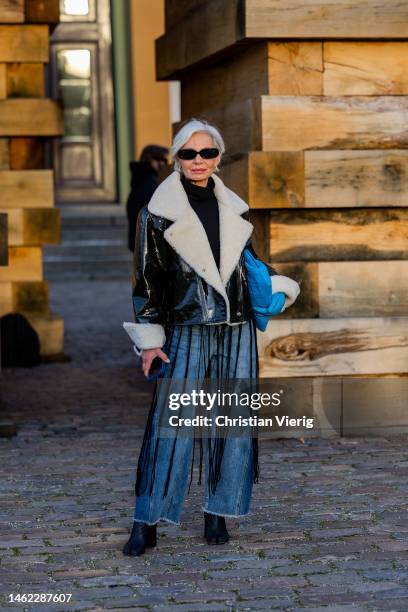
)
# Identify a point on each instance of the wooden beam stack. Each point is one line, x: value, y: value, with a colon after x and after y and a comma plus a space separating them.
x: 3, y: 240
x: 312, y: 98
x: 27, y: 119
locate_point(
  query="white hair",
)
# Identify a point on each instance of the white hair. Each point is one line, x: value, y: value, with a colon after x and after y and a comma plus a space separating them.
x: 187, y: 130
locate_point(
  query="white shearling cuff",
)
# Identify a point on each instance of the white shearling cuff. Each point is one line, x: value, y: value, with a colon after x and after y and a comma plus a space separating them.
x: 145, y: 335
x: 286, y: 285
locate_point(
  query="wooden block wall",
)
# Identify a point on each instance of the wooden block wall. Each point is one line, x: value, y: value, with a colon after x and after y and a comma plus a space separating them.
x: 3, y: 240
x: 206, y: 31
x: 27, y: 118
x: 315, y: 122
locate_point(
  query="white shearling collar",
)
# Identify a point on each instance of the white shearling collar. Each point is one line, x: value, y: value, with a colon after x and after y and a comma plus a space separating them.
x: 188, y: 237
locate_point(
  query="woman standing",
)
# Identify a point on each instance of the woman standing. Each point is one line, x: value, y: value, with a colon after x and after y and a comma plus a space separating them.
x: 193, y: 312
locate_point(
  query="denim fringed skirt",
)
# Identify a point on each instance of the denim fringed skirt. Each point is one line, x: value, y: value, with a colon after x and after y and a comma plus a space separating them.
x: 197, y: 353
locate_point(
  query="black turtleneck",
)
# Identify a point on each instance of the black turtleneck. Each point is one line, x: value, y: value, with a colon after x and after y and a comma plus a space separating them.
x: 205, y: 205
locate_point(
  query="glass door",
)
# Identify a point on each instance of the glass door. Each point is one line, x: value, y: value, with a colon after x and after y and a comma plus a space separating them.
x: 81, y: 77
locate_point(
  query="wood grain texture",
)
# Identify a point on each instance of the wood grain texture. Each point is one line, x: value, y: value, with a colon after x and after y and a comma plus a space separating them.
x: 31, y: 297
x: 30, y: 117
x: 15, y: 226
x: 239, y: 23
x: 341, y: 346
x: 3, y: 239
x: 363, y: 288
x: 295, y: 68
x: 6, y: 297
x: 24, y: 297
x: 33, y: 226
x: 213, y: 26
x: 42, y: 226
x: 365, y: 68
x: 176, y: 10
x: 50, y: 330
x: 267, y: 179
x: 4, y: 154
x: 356, y: 178
x: 341, y: 405
x: 24, y: 264
x: 26, y: 188
x: 26, y: 43
x: 239, y: 124
x: 3, y: 81
x: 292, y: 123
x: 236, y: 79
x: 374, y: 405
x: 338, y: 235
x: 27, y: 153
x: 298, y: 123
x: 319, y: 179
x: 347, y: 289
x: 11, y: 11
x: 234, y: 172
x: 307, y: 275
x: 326, y: 19
x: 263, y: 68
x: 25, y: 80
x: 260, y: 238
x: 46, y: 11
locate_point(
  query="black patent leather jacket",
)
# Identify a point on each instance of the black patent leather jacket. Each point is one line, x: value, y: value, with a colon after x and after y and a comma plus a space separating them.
x: 175, y: 278
x: 168, y: 291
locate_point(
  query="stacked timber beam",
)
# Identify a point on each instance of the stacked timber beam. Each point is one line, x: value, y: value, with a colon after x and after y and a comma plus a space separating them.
x: 27, y: 120
x: 3, y: 240
x: 312, y: 98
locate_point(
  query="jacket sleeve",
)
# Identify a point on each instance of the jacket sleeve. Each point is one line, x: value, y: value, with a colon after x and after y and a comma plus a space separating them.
x: 286, y: 285
x: 150, y: 262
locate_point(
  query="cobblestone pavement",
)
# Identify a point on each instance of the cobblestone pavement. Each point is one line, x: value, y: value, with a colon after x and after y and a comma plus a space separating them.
x: 329, y: 528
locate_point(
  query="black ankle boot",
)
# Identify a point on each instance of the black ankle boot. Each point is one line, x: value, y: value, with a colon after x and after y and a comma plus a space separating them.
x: 215, y: 529
x: 143, y: 536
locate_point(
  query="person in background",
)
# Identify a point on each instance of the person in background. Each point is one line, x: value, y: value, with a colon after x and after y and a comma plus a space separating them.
x: 144, y: 180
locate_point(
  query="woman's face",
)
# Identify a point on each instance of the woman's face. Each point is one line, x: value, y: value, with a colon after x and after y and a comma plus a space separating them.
x: 199, y: 169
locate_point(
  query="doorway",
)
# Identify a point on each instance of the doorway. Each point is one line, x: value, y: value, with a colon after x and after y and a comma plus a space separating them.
x: 80, y: 75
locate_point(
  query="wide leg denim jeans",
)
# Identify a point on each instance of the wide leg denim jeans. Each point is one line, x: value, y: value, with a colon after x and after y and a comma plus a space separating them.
x: 197, y: 352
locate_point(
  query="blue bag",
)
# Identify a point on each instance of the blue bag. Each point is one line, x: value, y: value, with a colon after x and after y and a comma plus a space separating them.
x: 265, y: 304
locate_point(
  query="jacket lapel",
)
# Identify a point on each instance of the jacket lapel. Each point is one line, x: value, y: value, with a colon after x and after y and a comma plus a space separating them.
x: 188, y: 237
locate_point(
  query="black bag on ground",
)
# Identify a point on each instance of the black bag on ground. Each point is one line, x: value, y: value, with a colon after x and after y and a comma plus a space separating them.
x: 20, y: 345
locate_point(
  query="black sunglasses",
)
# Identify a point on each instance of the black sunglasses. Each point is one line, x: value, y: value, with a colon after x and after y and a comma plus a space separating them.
x: 192, y: 154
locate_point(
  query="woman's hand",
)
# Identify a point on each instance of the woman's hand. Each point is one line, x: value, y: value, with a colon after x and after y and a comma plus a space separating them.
x: 147, y: 357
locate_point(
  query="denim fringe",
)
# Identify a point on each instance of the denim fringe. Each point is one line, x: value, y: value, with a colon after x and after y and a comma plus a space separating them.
x: 214, y: 368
